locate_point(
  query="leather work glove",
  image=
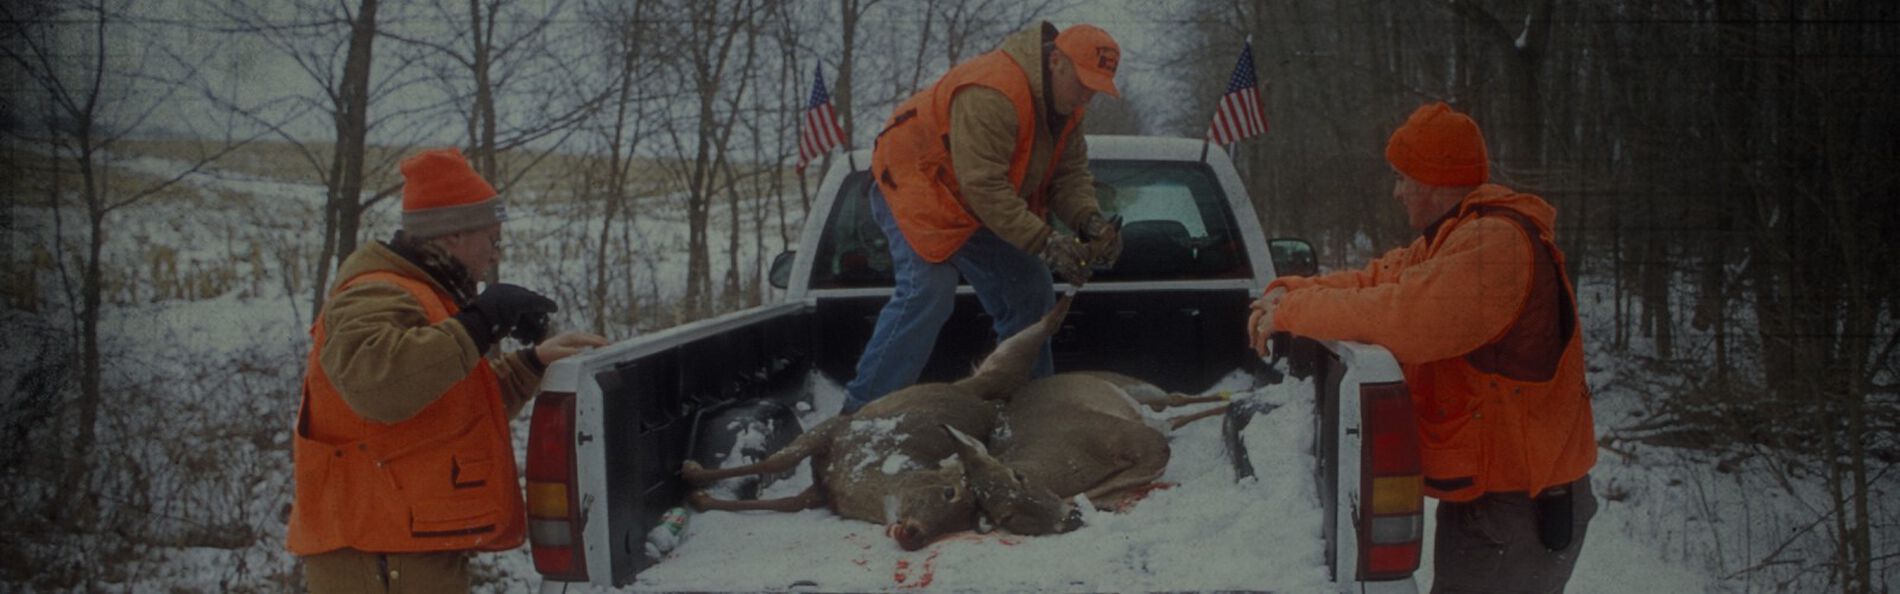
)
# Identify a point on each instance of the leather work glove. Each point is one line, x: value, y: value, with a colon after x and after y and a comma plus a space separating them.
x: 1068, y: 257
x: 1260, y: 324
x: 499, y: 309
x: 1103, y: 236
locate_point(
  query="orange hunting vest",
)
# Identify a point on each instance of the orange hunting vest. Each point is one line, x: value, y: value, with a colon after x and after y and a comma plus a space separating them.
x: 442, y: 480
x: 1514, y: 415
x: 912, y: 156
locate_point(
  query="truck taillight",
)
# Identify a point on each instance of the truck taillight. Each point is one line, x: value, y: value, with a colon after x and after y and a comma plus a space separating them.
x: 554, y: 515
x: 1391, y: 509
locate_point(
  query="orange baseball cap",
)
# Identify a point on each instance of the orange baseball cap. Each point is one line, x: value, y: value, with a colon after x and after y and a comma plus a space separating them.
x: 1095, y: 55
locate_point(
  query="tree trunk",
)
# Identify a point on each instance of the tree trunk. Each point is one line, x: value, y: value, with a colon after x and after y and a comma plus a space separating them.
x: 612, y: 198
x: 342, y: 216
x: 75, y: 489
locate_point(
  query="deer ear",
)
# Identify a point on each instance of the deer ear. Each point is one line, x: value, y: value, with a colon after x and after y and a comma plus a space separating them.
x: 964, y: 441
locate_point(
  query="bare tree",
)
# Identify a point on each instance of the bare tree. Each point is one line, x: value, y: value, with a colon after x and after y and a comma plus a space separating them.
x: 708, y: 38
x: 334, y: 46
x: 620, y: 126
x: 850, y: 18
x: 512, y: 84
x: 506, y: 57
x: 106, y: 79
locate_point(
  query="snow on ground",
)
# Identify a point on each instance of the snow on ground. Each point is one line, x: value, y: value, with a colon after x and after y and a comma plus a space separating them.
x: 1206, y: 533
x: 183, y: 374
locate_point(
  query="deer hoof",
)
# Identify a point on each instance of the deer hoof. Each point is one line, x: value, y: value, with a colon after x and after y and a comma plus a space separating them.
x: 693, y: 472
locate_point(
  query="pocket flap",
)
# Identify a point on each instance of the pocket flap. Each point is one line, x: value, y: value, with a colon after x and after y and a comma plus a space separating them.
x: 453, y: 517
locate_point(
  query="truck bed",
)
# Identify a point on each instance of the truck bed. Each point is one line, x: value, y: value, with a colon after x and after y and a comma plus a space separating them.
x: 1172, y: 311
x: 653, y: 400
x: 1205, y: 532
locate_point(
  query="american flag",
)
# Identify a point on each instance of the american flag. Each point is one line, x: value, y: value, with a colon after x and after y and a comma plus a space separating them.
x: 1239, y: 115
x: 820, y: 132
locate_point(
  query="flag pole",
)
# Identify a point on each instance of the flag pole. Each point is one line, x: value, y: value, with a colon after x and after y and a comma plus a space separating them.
x: 1233, y: 152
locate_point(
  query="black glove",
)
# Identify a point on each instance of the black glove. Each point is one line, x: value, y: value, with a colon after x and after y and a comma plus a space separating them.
x: 531, y: 328
x: 498, y: 310
x: 1067, y: 257
x: 1103, y: 237
x: 1555, y: 519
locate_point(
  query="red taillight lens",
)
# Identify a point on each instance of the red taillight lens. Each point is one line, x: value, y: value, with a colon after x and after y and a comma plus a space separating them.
x: 1391, y: 514
x: 554, y: 520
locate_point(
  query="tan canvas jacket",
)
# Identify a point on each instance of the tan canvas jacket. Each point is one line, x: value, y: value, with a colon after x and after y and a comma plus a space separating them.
x: 983, y: 137
x: 385, y: 358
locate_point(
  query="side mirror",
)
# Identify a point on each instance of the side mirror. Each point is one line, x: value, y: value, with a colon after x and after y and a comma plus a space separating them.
x: 781, y: 273
x: 1293, y: 257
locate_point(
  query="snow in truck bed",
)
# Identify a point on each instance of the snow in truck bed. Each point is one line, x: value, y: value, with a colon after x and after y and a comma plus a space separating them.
x: 1207, y: 532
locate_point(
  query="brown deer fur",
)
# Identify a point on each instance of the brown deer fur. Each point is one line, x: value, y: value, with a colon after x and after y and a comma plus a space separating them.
x: 1069, y: 434
x: 891, y: 462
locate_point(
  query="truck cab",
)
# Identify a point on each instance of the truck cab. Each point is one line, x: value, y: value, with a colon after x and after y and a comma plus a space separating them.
x: 613, y: 425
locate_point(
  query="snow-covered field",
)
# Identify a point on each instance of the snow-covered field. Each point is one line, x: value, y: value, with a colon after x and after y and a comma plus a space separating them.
x: 201, y: 394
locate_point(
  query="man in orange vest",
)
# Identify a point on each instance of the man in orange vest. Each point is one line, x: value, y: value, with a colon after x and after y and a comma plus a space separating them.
x: 403, y: 460
x: 968, y: 172
x: 1482, y: 319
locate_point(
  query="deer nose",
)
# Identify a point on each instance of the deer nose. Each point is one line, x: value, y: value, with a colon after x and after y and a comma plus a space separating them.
x: 908, y: 533
x: 1072, y: 521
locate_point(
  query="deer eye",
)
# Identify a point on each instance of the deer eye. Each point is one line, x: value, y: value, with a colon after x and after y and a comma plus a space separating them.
x: 949, y: 493
x: 1019, y: 476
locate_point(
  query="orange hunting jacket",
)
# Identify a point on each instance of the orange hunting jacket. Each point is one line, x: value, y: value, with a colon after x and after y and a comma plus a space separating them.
x: 440, y: 479
x: 987, y: 159
x: 1482, y: 319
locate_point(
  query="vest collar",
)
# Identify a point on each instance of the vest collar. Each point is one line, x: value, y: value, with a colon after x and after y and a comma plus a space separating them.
x: 416, y: 259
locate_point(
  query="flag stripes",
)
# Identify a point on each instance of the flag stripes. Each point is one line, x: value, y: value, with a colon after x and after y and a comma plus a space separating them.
x: 1239, y: 114
x: 819, y: 133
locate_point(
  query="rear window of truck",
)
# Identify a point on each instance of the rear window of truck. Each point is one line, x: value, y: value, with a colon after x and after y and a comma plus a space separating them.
x: 1176, y: 225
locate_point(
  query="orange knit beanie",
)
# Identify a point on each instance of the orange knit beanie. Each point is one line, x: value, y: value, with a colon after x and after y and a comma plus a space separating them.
x: 1439, y: 147
x: 442, y: 194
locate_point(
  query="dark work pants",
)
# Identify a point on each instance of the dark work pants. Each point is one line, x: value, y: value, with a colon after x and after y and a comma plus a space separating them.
x: 1490, y: 545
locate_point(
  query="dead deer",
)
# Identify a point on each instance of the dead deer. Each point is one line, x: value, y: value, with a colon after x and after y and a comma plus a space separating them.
x: 1069, y: 434
x: 891, y: 462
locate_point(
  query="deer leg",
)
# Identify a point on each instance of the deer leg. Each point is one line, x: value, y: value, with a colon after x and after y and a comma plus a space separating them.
x: 811, y: 498
x: 1145, y: 458
x: 1158, y: 401
x: 813, y: 442
x: 1177, y: 422
x: 1107, y: 495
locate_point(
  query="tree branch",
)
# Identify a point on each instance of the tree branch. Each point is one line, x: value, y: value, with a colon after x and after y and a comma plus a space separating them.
x: 1488, y: 24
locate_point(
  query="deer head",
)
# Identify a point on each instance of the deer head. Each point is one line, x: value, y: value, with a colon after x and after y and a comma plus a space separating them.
x: 929, y: 503
x: 1010, y: 499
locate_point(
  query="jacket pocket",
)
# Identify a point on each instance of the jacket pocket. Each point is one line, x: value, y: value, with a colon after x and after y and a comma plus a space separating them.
x: 453, y: 517
x: 1453, y: 457
x: 428, y: 467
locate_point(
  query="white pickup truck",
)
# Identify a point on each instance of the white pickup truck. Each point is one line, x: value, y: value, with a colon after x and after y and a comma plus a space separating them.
x: 613, y: 425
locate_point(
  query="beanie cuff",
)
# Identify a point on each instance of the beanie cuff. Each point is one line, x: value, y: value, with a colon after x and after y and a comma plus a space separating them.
x: 443, y: 220
x: 1441, y: 174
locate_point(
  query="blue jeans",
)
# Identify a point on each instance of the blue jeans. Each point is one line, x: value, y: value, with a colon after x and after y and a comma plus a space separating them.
x: 1014, y: 287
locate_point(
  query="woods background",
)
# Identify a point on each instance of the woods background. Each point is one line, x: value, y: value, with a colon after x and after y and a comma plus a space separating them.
x: 1725, y: 171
